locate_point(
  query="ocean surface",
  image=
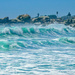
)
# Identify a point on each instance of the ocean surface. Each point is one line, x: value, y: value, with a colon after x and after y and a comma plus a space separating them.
x: 37, y: 50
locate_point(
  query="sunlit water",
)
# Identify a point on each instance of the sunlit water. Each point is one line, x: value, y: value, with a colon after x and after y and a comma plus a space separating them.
x: 37, y: 50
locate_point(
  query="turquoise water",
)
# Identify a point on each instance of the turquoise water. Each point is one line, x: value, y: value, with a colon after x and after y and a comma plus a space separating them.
x: 37, y: 50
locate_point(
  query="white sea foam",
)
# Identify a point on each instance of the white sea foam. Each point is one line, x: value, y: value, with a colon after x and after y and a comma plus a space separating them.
x: 48, y: 50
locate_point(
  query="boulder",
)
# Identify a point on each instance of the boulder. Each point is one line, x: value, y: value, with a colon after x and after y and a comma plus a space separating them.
x: 13, y: 21
x: 52, y: 16
x: 24, y: 18
x: 46, y: 18
x: 1, y: 20
x: 4, y: 20
x: 41, y: 19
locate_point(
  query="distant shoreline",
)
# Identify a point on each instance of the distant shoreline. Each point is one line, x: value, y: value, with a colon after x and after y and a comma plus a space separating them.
x: 44, y: 20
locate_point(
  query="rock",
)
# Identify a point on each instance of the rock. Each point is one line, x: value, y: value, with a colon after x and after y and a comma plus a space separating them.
x: 13, y: 21
x: 74, y: 25
x: 4, y: 20
x: 52, y: 16
x: 41, y: 19
x: 66, y: 17
x: 24, y: 18
x: 1, y: 20
x: 46, y: 18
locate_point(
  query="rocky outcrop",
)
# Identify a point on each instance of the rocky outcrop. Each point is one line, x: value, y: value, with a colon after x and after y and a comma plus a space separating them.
x: 13, y: 21
x: 4, y: 20
x: 24, y: 18
x: 70, y: 22
x: 20, y: 19
x: 1, y: 20
x: 41, y: 19
x: 66, y: 17
x: 72, y: 25
x: 52, y: 16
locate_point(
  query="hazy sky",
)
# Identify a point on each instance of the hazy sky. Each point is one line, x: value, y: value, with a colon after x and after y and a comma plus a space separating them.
x: 13, y: 8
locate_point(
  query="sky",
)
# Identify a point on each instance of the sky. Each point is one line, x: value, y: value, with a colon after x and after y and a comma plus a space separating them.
x: 13, y: 8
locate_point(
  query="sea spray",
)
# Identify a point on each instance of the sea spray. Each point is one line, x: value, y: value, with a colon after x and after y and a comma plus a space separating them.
x: 31, y: 49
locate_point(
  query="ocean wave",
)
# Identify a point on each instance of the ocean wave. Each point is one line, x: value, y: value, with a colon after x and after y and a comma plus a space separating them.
x: 22, y: 31
x: 35, y: 43
x: 67, y: 40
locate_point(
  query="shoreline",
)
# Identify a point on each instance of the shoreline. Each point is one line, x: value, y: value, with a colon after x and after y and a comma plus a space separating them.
x: 39, y: 20
x: 43, y: 24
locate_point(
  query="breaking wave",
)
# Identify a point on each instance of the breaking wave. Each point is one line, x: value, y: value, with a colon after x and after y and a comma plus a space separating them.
x: 37, y: 50
x: 22, y: 31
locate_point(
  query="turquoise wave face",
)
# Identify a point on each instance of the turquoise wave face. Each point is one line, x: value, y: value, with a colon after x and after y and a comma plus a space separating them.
x: 35, y: 43
x: 37, y: 50
x: 39, y: 31
x: 35, y: 37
